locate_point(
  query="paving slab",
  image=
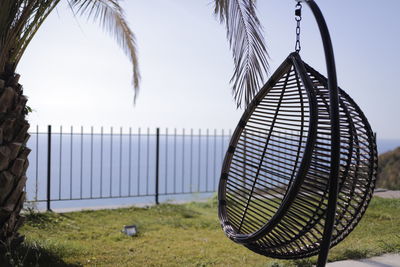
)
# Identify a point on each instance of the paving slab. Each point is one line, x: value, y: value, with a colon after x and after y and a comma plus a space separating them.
x: 387, y: 193
x: 387, y: 260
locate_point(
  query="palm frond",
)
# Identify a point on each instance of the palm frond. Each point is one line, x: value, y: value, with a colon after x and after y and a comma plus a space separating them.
x: 19, y: 21
x: 35, y: 21
x: 111, y: 17
x: 250, y: 56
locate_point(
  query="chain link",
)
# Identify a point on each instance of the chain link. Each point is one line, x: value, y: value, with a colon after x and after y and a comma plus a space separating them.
x: 298, y: 30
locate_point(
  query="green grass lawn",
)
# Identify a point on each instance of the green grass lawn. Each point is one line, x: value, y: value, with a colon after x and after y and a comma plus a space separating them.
x: 176, y: 235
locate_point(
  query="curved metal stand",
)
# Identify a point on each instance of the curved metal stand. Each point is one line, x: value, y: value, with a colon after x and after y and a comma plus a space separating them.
x: 335, y: 131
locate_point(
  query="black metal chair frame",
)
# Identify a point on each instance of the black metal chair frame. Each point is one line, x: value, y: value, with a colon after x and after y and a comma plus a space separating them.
x: 316, y: 108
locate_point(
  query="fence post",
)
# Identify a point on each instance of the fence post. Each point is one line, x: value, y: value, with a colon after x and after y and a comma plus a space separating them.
x: 48, y: 167
x: 157, y: 161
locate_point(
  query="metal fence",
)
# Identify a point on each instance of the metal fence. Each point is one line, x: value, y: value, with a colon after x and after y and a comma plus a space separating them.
x: 82, y: 164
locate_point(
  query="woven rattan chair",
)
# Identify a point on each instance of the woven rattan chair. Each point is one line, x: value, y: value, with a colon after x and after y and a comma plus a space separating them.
x: 297, y: 178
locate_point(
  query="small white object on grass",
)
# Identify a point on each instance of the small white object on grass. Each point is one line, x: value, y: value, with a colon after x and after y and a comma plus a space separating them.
x: 130, y: 230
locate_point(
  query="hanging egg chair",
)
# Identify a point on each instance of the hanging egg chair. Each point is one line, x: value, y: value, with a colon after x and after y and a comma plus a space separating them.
x: 301, y: 166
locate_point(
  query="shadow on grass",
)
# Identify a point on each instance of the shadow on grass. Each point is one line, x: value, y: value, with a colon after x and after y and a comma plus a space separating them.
x: 355, y: 254
x: 43, y: 220
x: 28, y: 254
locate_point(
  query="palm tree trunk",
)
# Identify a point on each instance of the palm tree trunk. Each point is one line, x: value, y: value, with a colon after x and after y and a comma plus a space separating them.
x: 13, y: 157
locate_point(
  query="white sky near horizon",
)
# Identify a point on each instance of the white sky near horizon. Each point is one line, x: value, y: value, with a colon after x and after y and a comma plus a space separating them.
x: 75, y: 74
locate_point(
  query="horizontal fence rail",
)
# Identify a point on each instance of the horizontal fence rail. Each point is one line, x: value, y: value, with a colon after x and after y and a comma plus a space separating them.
x: 82, y: 164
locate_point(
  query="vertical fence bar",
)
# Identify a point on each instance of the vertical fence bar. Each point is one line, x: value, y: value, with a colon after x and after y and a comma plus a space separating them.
x: 157, y: 161
x: 207, y: 139
x: 120, y: 161
x: 130, y: 162
x: 174, y: 161
x: 191, y: 160
x: 148, y: 161
x: 37, y: 163
x: 48, y: 167
x: 183, y: 160
x: 111, y: 159
x: 81, y: 170
x: 138, y: 172
x: 215, y: 160
x: 91, y: 162
x: 166, y: 161
x: 101, y: 161
x: 198, y: 176
x: 60, y: 166
x: 71, y: 162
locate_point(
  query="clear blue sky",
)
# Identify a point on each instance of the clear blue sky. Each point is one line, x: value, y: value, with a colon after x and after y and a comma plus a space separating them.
x: 74, y: 74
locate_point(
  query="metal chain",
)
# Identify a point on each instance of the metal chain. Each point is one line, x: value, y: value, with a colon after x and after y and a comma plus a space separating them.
x: 298, y: 19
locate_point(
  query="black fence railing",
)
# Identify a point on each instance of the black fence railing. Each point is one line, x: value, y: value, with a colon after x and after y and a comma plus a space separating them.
x: 84, y: 164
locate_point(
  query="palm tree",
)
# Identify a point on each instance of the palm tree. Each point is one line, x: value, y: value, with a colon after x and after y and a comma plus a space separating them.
x: 21, y: 19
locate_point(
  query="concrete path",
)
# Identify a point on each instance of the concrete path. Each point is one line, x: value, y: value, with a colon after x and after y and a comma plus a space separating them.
x: 387, y: 193
x: 384, y: 193
x: 387, y: 260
